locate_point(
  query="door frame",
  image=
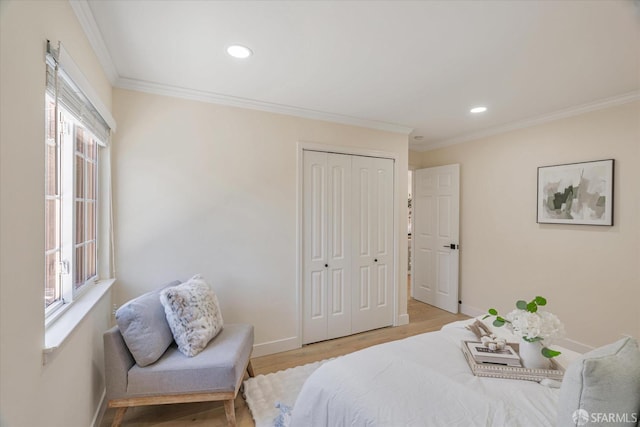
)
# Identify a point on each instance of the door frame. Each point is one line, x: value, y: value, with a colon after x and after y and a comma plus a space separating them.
x: 303, y: 146
x: 411, y: 251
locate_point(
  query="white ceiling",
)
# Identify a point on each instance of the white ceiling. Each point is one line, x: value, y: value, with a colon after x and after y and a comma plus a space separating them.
x: 412, y: 66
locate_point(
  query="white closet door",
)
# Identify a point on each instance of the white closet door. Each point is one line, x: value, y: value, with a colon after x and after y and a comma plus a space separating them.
x: 327, y: 250
x: 315, y: 247
x: 372, y: 231
x: 339, y: 246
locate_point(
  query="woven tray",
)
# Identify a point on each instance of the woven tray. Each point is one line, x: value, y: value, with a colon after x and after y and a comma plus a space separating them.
x: 511, y: 372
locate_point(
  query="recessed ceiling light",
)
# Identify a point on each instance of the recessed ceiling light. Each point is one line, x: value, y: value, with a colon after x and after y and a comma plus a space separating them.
x: 476, y: 110
x: 239, y: 51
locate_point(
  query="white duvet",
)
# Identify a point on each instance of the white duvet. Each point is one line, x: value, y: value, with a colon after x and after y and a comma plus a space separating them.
x: 419, y: 381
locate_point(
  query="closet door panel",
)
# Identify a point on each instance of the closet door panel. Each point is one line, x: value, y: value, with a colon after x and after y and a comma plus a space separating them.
x: 339, y: 245
x: 373, y: 236
x: 383, y: 256
x: 314, y: 292
x: 362, y: 214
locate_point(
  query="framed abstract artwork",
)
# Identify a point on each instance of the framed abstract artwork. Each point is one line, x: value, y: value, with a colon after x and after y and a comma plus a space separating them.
x: 576, y: 193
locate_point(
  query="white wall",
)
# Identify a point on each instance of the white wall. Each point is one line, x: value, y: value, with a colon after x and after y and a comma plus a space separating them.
x: 209, y: 189
x: 67, y: 391
x: 589, y: 274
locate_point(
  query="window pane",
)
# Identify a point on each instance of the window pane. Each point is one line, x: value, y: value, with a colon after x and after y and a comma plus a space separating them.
x: 51, y: 120
x: 51, y: 224
x: 91, y: 260
x: 92, y: 149
x: 79, y: 271
x: 91, y: 220
x: 51, y: 170
x: 80, y: 139
x: 80, y: 222
x: 51, y: 281
x: 79, y: 177
x: 91, y: 181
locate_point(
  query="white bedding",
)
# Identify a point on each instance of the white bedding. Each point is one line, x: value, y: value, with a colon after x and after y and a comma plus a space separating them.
x: 419, y: 381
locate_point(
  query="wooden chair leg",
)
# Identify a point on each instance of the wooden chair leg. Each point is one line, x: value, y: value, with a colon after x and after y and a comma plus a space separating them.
x: 250, y: 370
x: 230, y: 411
x: 117, y: 419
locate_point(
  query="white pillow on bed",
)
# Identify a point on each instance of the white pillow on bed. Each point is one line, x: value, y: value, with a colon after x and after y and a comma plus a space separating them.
x: 603, y: 381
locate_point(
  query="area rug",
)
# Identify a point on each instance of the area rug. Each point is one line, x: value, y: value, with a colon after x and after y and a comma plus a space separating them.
x: 271, y: 397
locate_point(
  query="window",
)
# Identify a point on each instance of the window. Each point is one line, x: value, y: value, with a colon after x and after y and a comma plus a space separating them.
x: 71, y: 199
x: 75, y: 135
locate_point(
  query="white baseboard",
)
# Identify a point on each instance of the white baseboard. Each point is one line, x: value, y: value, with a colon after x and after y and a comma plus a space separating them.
x: 403, y: 319
x: 277, y: 346
x: 292, y: 343
x: 102, y: 407
x: 574, y: 345
x: 471, y: 311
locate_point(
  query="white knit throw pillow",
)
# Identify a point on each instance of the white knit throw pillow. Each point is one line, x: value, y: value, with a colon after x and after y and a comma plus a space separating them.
x: 193, y: 314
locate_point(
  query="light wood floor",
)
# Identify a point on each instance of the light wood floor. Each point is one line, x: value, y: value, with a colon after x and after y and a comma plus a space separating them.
x: 423, y: 318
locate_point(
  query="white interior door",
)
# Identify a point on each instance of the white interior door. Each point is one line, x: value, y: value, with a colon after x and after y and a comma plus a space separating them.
x: 327, y: 249
x: 436, y: 218
x: 372, y: 290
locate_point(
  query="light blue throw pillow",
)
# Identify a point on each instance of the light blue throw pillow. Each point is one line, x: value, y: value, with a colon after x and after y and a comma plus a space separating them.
x: 602, y: 385
x: 144, y: 326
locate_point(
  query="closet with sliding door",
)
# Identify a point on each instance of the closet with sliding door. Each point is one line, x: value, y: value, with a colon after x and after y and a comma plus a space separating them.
x: 348, y: 263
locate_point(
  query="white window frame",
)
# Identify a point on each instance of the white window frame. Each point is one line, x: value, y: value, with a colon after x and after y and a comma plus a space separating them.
x: 67, y: 125
x: 52, y: 141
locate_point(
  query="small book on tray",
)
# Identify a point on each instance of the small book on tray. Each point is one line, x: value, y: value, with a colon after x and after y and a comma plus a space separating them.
x: 483, y: 354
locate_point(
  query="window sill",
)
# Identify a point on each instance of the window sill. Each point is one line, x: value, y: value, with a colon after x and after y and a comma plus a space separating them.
x: 59, y: 329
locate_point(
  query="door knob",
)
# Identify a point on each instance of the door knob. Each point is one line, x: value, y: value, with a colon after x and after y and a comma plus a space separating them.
x: 451, y: 246
x: 326, y: 265
x: 375, y: 260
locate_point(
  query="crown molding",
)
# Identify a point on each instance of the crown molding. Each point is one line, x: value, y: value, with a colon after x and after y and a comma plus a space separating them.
x: 85, y: 16
x: 88, y: 23
x: 521, y: 124
x: 232, y: 101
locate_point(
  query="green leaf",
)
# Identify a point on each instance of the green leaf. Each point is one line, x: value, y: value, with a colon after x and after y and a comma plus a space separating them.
x: 498, y: 322
x: 522, y: 305
x: 540, y: 301
x: 493, y: 312
x: 488, y: 315
x: 548, y: 353
x: 532, y: 307
x: 534, y: 339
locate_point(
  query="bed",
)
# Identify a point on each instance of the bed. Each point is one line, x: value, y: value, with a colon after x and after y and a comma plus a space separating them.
x: 417, y: 381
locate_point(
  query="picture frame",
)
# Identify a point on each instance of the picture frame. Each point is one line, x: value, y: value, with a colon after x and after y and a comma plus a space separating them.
x: 576, y: 193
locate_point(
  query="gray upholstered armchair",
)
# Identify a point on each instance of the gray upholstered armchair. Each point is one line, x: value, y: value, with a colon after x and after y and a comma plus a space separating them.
x: 214, y: 374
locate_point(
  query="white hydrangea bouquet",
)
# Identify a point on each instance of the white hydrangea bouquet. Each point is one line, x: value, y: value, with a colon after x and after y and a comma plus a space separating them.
x: 531, y: 324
